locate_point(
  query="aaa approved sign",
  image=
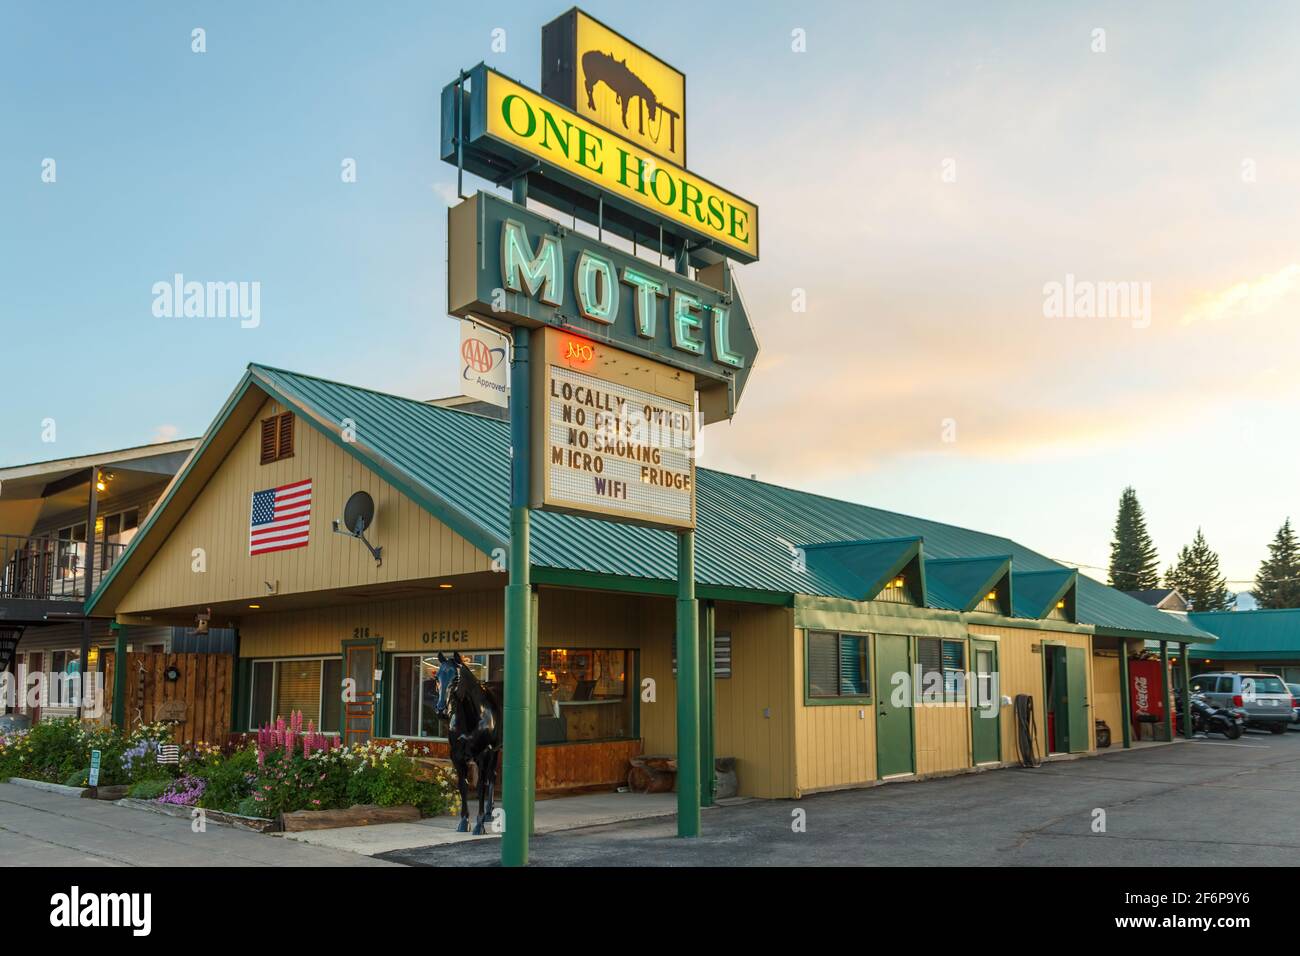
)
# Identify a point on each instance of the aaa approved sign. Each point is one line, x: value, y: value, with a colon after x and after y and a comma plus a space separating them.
x: 484, y: 364
x: 613, y: 434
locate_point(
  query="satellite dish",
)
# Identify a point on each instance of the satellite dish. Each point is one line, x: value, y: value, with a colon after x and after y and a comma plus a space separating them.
x: 358, y: 513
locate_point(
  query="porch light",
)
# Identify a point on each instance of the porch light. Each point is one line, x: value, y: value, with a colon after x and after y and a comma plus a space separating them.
x: 1060, y: 605
x: 101, y: 485
x: 254, y: 607
x: 445, y: 587
x: 896, y: 583
x: 992, y: 596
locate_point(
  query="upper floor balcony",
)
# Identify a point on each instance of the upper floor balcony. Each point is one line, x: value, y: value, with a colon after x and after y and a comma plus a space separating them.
x: 51, y: 568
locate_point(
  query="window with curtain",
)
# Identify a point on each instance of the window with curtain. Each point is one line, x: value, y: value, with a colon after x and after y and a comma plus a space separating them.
x: 837, y: 665
x: 312, y: 686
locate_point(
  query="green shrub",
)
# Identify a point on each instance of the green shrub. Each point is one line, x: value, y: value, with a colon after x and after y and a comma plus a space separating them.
x: 78, y: 778
x: 150, y: 788
x: 230, y: 779
x: 248, y: 807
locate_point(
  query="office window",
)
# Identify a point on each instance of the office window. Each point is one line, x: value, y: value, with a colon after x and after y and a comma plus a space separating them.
x: 837, y: 665
x: 311, y: 686
x: 277, y: 437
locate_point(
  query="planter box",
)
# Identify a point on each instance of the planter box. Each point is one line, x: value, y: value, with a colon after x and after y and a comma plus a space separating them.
x: 115, y: 792
x: 358, y: 816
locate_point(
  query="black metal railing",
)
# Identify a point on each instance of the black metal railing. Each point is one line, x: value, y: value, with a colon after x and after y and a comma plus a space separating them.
x: 51, y: 569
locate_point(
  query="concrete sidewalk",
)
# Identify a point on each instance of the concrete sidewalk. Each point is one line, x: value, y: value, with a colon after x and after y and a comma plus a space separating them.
x: 44, y: 828
x: 550, y: 816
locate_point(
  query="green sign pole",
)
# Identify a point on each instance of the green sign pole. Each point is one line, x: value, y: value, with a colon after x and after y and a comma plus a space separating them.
x: 688, y: 670
x: 708, y: 636
x: 688, y: 690
x: 520, y: 730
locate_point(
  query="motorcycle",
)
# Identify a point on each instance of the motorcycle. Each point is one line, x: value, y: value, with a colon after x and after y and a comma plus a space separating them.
x: 1208, y: 719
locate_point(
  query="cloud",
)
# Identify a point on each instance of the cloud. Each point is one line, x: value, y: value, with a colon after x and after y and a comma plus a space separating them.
x: 165, y: 433
x: 1246, y: 300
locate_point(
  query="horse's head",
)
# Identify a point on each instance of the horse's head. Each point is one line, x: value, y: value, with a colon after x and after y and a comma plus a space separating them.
x: 448, y: 683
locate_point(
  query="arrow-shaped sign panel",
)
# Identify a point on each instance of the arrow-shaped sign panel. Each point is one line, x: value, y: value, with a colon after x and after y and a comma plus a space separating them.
x: 509, y: 264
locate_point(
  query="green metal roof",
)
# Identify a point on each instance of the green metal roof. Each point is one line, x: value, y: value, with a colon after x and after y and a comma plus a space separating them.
x: 1261, y: 634
x: 860, y: 569
x: 748, y: 533
x: 959, y: 584
x: 1035, y: 592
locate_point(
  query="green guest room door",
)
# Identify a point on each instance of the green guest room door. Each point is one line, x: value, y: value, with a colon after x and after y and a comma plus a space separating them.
x: 1070, y: 693
x: 893, y: 724
x: 986, y: 715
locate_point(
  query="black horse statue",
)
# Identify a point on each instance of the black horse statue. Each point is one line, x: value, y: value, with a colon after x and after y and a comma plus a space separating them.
x: 474, y: 733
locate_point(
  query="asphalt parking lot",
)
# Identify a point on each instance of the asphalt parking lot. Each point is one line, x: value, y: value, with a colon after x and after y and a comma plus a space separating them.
x: 1208, y: 802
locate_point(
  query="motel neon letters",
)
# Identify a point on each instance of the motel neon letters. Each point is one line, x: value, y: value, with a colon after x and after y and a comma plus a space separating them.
x: 597, y: 287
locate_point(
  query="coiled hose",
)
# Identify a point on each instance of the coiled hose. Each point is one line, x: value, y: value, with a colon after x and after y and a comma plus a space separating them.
x: 1027, y: 732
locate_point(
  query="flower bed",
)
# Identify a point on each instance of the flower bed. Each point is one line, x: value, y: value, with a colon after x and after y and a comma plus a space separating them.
x: 282, y: 769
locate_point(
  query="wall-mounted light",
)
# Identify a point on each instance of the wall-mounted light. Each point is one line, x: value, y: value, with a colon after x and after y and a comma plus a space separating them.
x: 445, y: 587
x: 1060, y: 605
x: 254, y: 607
x: 992, y: 596
x: 896, y: 583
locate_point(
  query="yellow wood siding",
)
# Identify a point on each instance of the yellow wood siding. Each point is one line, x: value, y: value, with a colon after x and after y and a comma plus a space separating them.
x: 416, y: 545
x: 1021, y: 672
x: 761, y: 661
x: 942, y: 737
x: 1106, y: 691
x: 835, y: 744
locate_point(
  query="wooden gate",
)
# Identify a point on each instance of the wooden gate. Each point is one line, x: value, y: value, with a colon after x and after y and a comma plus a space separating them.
x: 198, y: 698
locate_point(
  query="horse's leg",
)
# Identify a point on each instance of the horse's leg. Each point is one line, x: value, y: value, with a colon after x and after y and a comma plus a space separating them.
x: 492, y: 781
x: 463, y: 826
x: 482, y: 793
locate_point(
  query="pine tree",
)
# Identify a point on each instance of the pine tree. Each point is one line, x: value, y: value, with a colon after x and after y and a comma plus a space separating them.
x: 1278, y: 582
x: 1197, y: 577
x: 1134, y: 561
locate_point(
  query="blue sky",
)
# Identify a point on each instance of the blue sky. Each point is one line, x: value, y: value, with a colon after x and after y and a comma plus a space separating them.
x: 925, y: 295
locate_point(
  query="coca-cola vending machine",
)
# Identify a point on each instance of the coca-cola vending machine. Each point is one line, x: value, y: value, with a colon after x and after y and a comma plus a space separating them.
x: 1145, y: 697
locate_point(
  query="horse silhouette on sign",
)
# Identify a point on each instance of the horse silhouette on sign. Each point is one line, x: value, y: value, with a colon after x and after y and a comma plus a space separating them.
x: 598, y: 67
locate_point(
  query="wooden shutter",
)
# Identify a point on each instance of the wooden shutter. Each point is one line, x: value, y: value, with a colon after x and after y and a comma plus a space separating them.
x: 286, y: 436
x: 269, y: 434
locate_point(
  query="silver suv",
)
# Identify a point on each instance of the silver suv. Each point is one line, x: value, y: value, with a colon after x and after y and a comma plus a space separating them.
x: 1263, y: 698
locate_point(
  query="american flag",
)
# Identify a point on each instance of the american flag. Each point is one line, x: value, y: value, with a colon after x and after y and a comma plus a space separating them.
x: 281, y: 518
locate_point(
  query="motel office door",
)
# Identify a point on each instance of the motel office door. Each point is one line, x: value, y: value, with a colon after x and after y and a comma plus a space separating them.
x: 893, y: 724
x: 360, y: 667
x: 986, y: 709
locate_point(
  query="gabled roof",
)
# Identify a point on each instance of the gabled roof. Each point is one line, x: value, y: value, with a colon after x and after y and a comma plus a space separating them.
x: 861, y: 569
x: 959, y: 584
x: 1250, y: 634
x: 748, y: 532
x: 1036, y: 592
x: 1166, y: 599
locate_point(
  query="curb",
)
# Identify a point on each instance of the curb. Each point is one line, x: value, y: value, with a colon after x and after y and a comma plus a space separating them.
x: 42, y: 785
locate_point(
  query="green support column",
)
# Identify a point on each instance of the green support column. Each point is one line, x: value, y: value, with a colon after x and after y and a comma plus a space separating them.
x: 688, y: 690
x: 1164, y: 689
x: 1125, y: 715
x: 534, y: 601
x: 707, y: 700
x: 119, y: 676
x: 1187, y: 690
x: 518, y: 781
